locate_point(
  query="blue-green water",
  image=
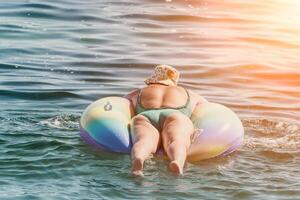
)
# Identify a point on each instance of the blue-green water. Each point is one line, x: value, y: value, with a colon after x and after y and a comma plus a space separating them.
x: 56, y: 57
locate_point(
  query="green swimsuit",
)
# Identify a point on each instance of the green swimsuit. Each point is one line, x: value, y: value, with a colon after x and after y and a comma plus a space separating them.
x: 157, y: 116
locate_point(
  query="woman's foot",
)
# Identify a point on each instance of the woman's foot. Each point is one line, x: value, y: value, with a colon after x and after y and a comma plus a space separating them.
x: 137, y: 167
x: 175, y: 168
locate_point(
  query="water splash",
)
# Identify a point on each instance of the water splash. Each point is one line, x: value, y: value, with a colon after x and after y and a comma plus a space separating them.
x: 271, y: 135
x: 63, y: 122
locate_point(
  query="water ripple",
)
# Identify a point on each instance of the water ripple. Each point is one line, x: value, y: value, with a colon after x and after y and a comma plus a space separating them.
x: 38, y: 95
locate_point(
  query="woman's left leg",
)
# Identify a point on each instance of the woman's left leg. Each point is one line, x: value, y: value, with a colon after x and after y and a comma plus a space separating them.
x: 176, y: 139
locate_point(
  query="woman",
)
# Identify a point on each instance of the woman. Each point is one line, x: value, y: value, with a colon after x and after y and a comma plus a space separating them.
x: 163, y: 110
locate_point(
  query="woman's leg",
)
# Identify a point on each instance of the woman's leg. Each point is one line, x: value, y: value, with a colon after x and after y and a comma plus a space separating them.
x: 145, y: 142
x: 176, y: 134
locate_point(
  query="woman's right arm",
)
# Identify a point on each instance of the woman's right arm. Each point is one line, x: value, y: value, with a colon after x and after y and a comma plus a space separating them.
x: 132, y: 97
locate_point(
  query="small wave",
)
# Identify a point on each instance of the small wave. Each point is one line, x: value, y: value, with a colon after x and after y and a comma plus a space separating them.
x: 63, y: 122
x: 36, y: 144
x: 269, y: 42
x: 5, y: 66
x: 38, y: 6
x: 271, y: 135
x: 46, y: 95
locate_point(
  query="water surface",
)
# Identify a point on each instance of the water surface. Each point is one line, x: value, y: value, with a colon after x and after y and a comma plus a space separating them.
x: 56, y: 57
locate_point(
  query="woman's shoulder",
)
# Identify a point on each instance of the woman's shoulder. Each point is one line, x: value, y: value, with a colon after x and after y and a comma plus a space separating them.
x: 132, y: 96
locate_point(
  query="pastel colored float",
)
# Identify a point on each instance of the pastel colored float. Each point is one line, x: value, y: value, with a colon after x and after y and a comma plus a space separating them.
x: 105, y: 125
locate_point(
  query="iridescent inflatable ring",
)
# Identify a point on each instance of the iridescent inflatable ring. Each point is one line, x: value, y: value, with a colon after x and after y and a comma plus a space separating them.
x: 105, y: 125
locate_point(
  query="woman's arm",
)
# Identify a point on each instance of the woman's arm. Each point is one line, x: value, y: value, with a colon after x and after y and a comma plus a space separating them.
x: 132, y: 97
x: 196, y: 99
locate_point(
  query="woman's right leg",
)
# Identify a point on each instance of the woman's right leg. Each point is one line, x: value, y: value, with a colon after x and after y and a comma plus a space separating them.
x: 145, y: 142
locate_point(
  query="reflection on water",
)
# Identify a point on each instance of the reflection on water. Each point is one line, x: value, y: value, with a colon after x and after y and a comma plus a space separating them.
x: 56, y: 57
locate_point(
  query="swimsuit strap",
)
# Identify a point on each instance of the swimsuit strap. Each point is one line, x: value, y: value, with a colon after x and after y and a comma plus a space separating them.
x: 187, y: 108
x: 188, y: 98
x: 139, y: 107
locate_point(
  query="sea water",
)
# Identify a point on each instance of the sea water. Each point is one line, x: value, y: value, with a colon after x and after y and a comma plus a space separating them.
x: 58, y: 56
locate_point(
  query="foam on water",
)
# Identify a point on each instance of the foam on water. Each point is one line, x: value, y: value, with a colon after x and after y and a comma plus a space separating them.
x: 63, y: 122
x: 271, y: 135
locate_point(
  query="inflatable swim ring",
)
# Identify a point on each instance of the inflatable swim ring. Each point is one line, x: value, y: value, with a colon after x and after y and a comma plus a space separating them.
x: 105, y: 125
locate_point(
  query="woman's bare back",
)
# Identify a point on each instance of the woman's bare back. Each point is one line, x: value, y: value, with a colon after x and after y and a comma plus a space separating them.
x: 158, y: 96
